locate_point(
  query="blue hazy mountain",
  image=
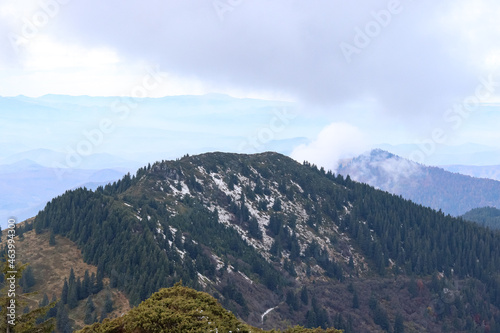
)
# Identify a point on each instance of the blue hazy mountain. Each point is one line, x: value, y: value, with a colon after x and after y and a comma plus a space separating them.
x: 444, y: 155
x: 478, y: 171
x: 54, y: 143
x: 27, y: 186
x: 434, y: 187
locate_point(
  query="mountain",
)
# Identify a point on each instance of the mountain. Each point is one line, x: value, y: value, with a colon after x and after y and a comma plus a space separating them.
x: 434, y: 187
x: 50, y: 264
x: 486, y: 171
x: 28, y: 186
x: 280, y: 243
x: 464, y: 154
x: 51, y: 159
x: 486, y: 216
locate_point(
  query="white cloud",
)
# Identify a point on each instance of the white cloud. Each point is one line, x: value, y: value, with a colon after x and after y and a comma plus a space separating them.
x: 46, y: 54
x: 334, y: 142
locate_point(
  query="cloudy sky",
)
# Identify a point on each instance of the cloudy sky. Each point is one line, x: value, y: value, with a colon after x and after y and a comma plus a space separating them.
x: 378, y: 71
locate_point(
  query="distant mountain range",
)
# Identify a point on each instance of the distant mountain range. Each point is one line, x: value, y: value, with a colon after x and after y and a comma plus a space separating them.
x: 146, y: 129
x: 27, y: 186
x: 434, y: 187
x: 486, y: 171
x: 464, y: 154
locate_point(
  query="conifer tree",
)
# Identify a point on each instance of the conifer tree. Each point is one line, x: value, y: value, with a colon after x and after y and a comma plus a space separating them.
x: 52, y: 239
x: 89, y: 312
x: 63, y: 323
x: 13, y: 301
x: 399, y: 324
x: 108, y: 303
x: 303, y: 295
x: 64, y: 293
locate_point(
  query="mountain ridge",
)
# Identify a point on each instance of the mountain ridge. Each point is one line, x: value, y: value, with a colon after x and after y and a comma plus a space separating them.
x: 262, y: 231
x: 434, y: 187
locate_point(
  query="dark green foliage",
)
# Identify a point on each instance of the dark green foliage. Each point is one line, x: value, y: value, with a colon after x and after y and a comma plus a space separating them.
x: 53, y: 310
x: 486, y: 216
x: 277, y: 205
x: 316, y: 316
x: 64, y: 293
x: 292, y: 300
x: 381, y: 318
x: 355, y: 300
x: 399, y: 324
x: 174, y: 310
x: 27, y: 280
x: 304, y: 296
x: 413, y: 287
x: 52, y: 239
x: 253, y: 228
x: 108, y: 303
x: 90, y: 315
x: 62, y: 319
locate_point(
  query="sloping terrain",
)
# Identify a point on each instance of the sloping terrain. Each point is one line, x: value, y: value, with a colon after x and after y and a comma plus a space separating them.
x: 433, y: 187
x: 181, y: 309
x: 51, y: 265
x: 485, y: 216
x: 280, y: 243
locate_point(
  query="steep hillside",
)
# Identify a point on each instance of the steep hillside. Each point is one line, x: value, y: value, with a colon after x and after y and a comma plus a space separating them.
x: 50, y: 265
x: 281, y: 243
x: 433, y: 187
x: 486, y: 216
x: 181, y: 309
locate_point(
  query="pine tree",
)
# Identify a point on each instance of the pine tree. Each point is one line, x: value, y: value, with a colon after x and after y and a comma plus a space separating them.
x: 63, y: 323
x: 45, y: 300
x: 27, y: 322
x: 72, y: 296
x: 53, y: 310
x: 277, y: 205
x: 89, y: 312
x: 108, y: 302
x: 399, y: 324
x: 253, y: 228
x: 86, y: 285
x: 64, y: 293
x: 28, y: 279
x: 303, y: 295
x: 52, y: 239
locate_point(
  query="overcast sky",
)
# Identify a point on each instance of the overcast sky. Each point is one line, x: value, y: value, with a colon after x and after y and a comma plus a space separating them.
x: 419, y: 70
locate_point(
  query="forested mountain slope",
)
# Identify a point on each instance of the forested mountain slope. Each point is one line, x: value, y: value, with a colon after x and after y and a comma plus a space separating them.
x: 280, y: 243
x: 433, y: 187
x: 485, y: 216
